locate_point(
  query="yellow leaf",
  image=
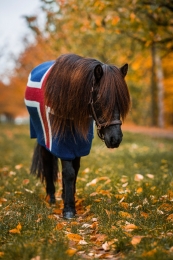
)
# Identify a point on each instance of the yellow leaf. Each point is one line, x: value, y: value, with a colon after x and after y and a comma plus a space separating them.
x: 165, y: 207
x: 115, y: 20
x: 71, y: 251
x: 170, y: 217
x: 16, y: 230
x: 139, y: 190
x: 130, y: 227
x: 150, y: 253
x: 120, y: 196
x: 74, y: 237
x: 124, y: 205
x: 57, y: 211
x: 105, y: 192
x: 170, y: 194
x: 59, y: 226
x: 125, y: 214
x: 136, y: 240
x: 19, y: 227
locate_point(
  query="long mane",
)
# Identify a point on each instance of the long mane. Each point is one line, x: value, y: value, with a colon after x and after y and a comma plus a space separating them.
x: 68, y: 92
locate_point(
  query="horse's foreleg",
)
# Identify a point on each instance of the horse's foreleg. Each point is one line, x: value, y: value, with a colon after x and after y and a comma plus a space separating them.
x: 49, y: 172
x: 69, y: 177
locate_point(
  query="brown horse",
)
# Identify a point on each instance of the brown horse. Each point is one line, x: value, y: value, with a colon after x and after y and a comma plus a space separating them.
x: 63, y: 98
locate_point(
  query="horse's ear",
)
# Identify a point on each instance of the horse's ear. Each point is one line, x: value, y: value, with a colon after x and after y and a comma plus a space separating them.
x: 124, y: 70
x: 98, y: 72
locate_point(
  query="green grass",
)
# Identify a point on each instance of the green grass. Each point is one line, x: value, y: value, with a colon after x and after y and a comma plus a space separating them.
x: 124, y: 196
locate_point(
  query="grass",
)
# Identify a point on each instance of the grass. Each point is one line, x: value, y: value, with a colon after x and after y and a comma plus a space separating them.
x: 124, y: 202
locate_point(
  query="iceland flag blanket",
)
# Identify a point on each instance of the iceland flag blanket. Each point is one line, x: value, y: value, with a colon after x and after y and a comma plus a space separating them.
x: 69, y: 146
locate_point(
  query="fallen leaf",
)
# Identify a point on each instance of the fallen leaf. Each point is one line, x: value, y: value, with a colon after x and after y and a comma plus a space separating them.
x: 124, y: 214
x: 94, y: 181
x: 105, y: 193
x: 139, y: 190
x: 74, y: 237
x: 1, y: 254
x: 106, y: 246
x: 124, y: 205
x: 150, y: 176
x: 19, y: 166
x: 170, y: 195
x: 138, y: 177
x: 82, y: 242
x: 71, y: 251
x: 170, y: 217
x: 26, y: 181
x: 36, y: 258
x: 124, y: 179
x: 136, y: 240
x: 57, y: 211
x: 130, y: 227
x: 86, y: 225
x: 165, y: 207
x: 98, y: 237
x: 2, y: 200
x: 93, y: 194
x: 120, y: 196
x: 87, y: 170
x: 59, y: 226
x: 144, y: 214
x: 171, y: 249
x: 16, y: 230
x: 150, y: 253
x: 125, y: 185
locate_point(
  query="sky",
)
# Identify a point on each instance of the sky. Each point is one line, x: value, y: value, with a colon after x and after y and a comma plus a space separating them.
x: 13, y: 28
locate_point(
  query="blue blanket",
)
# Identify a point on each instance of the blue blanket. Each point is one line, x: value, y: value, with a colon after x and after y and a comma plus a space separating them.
x: 68, y: 147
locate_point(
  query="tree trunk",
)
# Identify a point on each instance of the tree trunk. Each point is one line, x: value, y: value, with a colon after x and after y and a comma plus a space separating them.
x: 160, y: 90
x: 154, y: 96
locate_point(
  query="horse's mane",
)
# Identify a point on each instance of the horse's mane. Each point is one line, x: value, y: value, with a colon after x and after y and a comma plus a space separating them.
x: 68, y: 92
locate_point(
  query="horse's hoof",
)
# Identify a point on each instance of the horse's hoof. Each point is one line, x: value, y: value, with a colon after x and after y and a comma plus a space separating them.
x: 52, y: 201
x: 68, y: 215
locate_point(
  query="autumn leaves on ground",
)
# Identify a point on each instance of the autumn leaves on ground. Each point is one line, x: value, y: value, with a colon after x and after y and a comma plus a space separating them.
x: 124, y: 202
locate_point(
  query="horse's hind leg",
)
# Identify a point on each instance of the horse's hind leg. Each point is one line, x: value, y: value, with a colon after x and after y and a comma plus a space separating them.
x: 45, y: 166
x: 50, y: 169
x: 69, y: 178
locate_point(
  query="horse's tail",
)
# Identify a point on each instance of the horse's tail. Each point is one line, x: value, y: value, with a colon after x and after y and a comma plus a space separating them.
x: 42, y: 160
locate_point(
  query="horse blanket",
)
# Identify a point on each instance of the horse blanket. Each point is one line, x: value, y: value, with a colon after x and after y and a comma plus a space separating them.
x: 70, y: 145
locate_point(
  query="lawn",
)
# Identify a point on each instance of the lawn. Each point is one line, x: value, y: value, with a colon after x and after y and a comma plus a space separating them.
x: 124, y: 202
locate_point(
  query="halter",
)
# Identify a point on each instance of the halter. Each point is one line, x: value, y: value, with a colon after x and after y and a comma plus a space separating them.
x: 98, y: 124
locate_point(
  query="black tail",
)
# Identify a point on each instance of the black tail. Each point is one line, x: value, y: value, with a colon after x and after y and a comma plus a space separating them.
x: 43, y: 160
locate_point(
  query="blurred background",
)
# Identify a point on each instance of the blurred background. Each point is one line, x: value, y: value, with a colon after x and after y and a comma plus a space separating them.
x: 137, y: 32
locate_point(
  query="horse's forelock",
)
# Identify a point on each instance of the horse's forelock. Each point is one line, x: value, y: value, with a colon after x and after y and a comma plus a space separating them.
x: 113, y: 90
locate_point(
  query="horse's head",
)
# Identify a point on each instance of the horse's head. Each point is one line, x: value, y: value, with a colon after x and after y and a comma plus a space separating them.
x: 109, y: 102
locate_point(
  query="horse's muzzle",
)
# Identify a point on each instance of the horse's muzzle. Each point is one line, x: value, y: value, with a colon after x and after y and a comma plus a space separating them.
x: 113, y: 142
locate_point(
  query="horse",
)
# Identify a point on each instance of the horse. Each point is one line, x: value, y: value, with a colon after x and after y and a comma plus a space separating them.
x: 64, y: 98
